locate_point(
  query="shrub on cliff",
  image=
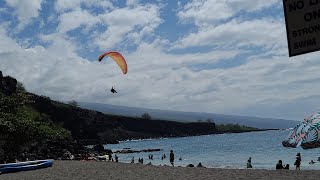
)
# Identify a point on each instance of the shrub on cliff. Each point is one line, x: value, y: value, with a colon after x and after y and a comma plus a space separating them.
x: 20, y: 125
x: 146, y: 116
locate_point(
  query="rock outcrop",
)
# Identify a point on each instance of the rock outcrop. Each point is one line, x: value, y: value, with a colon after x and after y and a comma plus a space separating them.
x: 8, y: 85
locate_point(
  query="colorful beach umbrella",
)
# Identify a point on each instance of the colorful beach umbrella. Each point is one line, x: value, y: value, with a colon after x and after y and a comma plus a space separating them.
x: 306, y: 134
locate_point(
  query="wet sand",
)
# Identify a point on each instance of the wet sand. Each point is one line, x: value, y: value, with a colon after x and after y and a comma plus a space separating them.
x: 79, y: 170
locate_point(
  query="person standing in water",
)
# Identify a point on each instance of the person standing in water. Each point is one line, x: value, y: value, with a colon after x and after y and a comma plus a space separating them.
x: 298, y: 161
x: 172, y: 158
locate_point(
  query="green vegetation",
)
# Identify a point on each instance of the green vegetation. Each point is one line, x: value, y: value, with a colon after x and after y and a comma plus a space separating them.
x: 234, y: 128
x: 73, y: 103
x: 146, y: 116
x: 21, y: 125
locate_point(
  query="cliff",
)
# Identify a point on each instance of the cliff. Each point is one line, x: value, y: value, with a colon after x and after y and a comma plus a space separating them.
x: 94, y: 127
x: 43, y: 128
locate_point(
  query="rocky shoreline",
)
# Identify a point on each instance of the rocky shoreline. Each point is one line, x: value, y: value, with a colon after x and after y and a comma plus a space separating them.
x: 36, y: 127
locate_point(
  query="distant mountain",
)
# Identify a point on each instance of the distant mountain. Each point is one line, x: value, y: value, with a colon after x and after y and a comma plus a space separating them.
x: 258, y: 122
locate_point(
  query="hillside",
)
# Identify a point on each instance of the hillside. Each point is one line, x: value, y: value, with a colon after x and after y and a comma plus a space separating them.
x: 93, y: 127
x: 257, y: 122
x: 43, y: 128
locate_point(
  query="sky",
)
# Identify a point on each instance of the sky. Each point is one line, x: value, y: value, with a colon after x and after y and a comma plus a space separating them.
x: 217, y: 56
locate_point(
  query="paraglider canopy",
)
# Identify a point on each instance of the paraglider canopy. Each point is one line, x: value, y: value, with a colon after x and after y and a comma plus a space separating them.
x: 306, y: 134
x: 118, y: 58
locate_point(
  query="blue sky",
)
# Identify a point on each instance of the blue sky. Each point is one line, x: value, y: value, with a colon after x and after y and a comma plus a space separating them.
x: 219, y: 56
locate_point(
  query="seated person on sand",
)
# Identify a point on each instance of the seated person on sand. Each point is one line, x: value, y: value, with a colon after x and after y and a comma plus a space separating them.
x: 200, y: 165
x: 190, y: 165
x: 279, y: 165
x: 287, y: 167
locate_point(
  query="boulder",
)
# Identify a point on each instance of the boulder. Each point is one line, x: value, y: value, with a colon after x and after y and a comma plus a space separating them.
x: 99, y: 148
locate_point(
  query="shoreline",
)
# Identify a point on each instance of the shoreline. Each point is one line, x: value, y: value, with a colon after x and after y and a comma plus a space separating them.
x: 158, y: 138
x: 64, y: 169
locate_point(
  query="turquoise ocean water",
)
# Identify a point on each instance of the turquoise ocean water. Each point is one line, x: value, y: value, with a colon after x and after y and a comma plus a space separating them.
x: 222, y: 151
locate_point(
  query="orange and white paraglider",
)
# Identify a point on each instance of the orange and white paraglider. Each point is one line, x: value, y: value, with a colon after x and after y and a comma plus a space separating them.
x: 119, y: 59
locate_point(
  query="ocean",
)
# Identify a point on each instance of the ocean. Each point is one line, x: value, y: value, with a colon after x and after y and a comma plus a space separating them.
x: 221, y: 150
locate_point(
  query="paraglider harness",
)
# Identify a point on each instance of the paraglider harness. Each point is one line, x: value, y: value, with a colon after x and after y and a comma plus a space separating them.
x: 113, y: 90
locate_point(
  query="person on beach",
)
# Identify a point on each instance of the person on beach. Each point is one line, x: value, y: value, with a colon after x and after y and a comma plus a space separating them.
x: 116, y: 157
x: 249, y: 165
x: 200, y: 165
x: 172, y: 158
x: 132, y: 160
x: 279, y: 165
x: 298, y: 161
x: 287, y: 167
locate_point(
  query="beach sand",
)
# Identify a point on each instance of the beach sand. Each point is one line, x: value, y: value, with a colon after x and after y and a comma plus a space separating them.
x: 79, y: 170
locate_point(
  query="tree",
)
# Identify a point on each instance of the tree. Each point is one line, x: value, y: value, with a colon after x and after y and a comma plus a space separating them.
x: 20, y: 87
x: 210, y: 120
x: 73, y: 103
x: 146, y: 116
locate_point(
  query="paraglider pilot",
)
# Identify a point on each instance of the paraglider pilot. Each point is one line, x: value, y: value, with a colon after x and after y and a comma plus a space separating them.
x: 113, y: 90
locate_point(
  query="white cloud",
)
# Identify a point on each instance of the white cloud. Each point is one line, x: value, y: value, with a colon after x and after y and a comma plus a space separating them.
x: 247, y: 5
x: 67, y: 5
x: 159, y: 80
x: 74, y: 19
x: 132, y: 2
x: 157, y: 77
x: 204, y: 12
x: 25, y: 10
x: 119, y: 25
x: 264, y: 32
x: 133, y: 23
x: 7, y: 45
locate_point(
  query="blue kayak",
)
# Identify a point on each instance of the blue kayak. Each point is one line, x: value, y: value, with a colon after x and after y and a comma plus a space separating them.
x: 25, y: 166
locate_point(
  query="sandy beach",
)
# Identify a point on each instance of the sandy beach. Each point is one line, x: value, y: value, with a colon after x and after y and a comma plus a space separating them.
x: 109, y: 170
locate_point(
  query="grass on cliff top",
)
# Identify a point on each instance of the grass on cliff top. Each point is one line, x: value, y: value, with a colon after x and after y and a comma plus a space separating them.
x: 17, y: 119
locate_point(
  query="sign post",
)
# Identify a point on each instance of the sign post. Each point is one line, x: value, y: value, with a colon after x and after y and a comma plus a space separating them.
x: 303, y: 25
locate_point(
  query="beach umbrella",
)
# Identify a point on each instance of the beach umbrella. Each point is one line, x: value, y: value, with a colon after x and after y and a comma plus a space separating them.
x: 306, y: 134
